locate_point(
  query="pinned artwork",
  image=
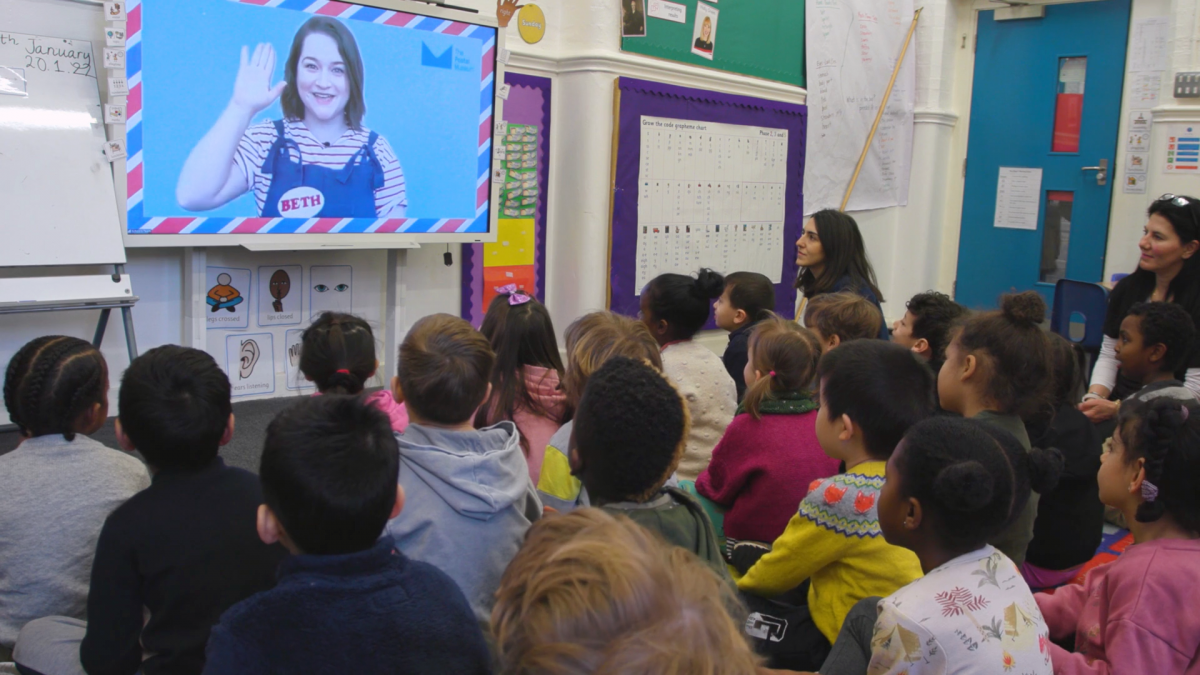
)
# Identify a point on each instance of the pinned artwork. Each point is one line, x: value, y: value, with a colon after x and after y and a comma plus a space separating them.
x: 331, y: 289
x: 704, y: 35
x: 279, y: 295
x: 250, y: 363
x: 228, y: 289
x: 504, y: 11
x: 531, y: 23
x: 295, y: 379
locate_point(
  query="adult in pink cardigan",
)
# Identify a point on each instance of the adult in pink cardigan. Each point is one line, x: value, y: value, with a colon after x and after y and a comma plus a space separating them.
x: 526, y: 379
x: 1138, y: 614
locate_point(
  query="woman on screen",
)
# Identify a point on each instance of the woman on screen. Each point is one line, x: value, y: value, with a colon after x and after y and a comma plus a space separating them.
x: 319, y: 160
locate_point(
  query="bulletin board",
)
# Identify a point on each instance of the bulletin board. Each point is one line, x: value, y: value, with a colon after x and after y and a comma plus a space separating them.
x: 641, y: 102
x: 519, y: 254
x: 759, y: 38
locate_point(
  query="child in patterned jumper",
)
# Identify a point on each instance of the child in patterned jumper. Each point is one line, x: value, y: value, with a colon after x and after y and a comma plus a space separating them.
x: 871, y: 393
x: 1138, y: 614
x: 951, y: 484
x: 675, y: 307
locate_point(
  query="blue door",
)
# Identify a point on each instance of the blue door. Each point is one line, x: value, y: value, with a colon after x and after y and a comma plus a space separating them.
x: 1046, y: 96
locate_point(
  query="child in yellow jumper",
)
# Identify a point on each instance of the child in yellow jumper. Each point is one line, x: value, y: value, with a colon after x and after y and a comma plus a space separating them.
x: 871, y: 393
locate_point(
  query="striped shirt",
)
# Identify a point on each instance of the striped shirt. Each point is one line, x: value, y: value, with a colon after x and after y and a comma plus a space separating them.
x: 390, y: 200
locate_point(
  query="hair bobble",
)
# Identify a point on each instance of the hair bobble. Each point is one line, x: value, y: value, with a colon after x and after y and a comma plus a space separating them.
x: 515, y: 295
x: 771, y: 374
x: 1149, y: 491
x: 342, y: 370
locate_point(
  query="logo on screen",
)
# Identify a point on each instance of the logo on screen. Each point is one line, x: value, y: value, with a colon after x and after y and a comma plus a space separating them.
x: 301, y: 202
x: 443, y: 60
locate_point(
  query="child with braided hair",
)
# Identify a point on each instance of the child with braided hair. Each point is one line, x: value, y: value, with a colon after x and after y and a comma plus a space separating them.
x: 337, y: 353
x: 1138, y: 613
x: 58, y: 486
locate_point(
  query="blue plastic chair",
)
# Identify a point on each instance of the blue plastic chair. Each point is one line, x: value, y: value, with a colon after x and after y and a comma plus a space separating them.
x: 1078, y: 313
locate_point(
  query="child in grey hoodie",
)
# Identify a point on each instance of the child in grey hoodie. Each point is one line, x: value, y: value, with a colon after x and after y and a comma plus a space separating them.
x: 469, y: 495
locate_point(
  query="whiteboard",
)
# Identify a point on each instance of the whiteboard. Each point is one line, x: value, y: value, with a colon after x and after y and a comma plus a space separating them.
x: 852, y: 50
x: 55, y: 182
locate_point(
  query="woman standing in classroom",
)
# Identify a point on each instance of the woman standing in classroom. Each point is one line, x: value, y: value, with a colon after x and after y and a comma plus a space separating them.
x: 833, y: 259
x: 319, y: 160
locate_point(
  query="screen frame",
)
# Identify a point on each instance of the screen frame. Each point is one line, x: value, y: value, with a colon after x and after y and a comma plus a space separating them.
x: 398, y: 240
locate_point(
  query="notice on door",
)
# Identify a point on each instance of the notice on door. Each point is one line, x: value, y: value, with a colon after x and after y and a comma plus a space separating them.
x: 1018, y: 195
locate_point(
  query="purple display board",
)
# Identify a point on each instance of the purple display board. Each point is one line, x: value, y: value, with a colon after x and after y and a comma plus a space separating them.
x: 642, y: 97
x: 528, y: 103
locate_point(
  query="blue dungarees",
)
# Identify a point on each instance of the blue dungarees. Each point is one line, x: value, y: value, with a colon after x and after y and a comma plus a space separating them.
x: 349, y: 192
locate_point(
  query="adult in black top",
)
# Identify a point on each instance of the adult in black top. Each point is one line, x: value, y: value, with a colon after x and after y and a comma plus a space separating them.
x: 833, y: 259
x: 1168, y: 271
x: 704, y: 42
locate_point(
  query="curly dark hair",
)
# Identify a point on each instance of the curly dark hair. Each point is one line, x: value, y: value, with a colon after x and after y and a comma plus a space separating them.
x: 1014, y: 353
x: 50, y: 382
x: 1167, y: 324
x: 629, y: 431
x: 935, y: 314
x: 683, y: 301
x: 968, y: 477
x: 1165, y: 432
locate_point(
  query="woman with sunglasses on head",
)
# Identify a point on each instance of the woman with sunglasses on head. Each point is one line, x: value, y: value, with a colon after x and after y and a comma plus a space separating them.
x: 1168, y: 271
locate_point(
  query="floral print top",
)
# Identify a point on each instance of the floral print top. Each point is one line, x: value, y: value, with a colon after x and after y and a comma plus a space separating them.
x: 974, y: 615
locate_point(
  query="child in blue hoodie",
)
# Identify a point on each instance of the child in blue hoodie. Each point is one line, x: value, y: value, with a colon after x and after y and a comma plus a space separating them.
x: 347, y: 601
x: 470, y: 499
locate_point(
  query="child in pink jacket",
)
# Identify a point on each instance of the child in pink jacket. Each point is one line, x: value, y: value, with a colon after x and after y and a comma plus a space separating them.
x: 1139, y: 613
x: 527, y: 376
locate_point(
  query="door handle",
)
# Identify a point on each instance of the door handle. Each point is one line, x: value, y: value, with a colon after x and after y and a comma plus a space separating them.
x: 1101, y: 172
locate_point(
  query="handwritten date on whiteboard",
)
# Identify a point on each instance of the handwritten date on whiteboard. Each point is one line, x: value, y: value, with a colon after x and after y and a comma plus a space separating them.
x: 51, y: 55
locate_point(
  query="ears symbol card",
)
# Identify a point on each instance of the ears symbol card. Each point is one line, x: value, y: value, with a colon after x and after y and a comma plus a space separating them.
x: 295, y: 378
x: 280, y: 295
x: 227, y: 297
x: 250, y: 361
x: 331, y: 289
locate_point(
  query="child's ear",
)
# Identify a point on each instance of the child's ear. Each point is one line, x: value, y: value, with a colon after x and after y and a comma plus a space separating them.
x: 1157, y: 353
x: 122, y: 439
x: 740, y: 316
x: 662, y: 327
x: 969, y: 367
x: 397, y: 391
x: 921, y: 348
x: 832, y: 342
x: 269, y: 529
x: 914, y: 515
x: 227, y: 435
x: 848, y: 428
x: 1139, y: 477
x: 399, y: 505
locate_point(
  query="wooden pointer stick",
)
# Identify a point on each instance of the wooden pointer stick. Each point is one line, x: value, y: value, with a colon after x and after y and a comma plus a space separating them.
x: 879, y: 115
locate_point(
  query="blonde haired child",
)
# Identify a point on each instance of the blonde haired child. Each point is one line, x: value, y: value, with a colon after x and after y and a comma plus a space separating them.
x: 596, y: 593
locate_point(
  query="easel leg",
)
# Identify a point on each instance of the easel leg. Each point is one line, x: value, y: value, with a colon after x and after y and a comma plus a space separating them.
x: 101, y: 325
x: 130, y: 338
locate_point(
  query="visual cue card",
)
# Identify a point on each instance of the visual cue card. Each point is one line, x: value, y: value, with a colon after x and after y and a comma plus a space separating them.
x: 250, y: 361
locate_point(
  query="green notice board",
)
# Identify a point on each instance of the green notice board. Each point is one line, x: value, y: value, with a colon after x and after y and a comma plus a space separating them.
x: 760, y: 38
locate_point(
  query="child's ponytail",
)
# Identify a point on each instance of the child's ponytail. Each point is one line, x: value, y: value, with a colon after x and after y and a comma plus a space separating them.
x: 1165, y: 432
x: 786, y: 357
x: 337, y: 352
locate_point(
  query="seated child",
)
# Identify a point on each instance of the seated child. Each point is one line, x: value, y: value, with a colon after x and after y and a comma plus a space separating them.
x: 594, y: 593
x: 747, y: 299
x: 1070, y: 522
x: 1138, y: 613
x: 925, y: 327
x: 950, y: 486
x: 871, y: 393
x: 469, y: 497
x: 337, y: 353
x: 58, y: 485
x: 346, y: 601
x: 837, y: 318
x: 629, y: 433
x: 591, y: 340
x: 526, y: 380
x: 674, y: 307
x: 761, y: 469
x: 1153, y: 344
x: 178, y: 554
x: 998, y: 369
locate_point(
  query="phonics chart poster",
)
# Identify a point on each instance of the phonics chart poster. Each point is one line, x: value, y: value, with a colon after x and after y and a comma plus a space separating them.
x: 710, y: 195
